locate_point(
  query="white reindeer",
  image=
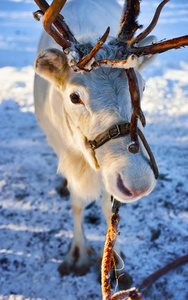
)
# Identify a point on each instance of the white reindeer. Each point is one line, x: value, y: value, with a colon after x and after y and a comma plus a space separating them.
x: 74, y: 108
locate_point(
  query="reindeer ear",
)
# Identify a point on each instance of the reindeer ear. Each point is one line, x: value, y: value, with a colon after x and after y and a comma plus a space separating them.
x: 146, y: 60
x: 51, y: 64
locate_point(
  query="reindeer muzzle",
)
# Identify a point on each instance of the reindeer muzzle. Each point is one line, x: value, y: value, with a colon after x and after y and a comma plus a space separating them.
x: 119, y: 130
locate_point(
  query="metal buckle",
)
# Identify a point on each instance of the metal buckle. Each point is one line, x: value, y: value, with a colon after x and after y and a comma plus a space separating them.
x: 115, y: 127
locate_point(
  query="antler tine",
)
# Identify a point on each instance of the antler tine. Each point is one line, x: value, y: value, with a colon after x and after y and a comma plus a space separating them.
x: 82, y: 63
x: 128, y: 24
x: 161, y: 47
x: 152, y: 25
x: 51, y: 15
x: 42, y: 4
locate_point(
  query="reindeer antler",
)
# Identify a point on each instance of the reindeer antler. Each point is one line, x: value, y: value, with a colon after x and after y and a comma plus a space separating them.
x: 152, y: 25
x: 126, y: 45
x: 63, y: 35
x: 128, y: 23
x: 154, y: 48
x: 81, y: 64
x: 49, y: 17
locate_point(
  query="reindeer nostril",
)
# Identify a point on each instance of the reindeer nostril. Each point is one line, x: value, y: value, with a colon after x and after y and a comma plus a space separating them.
x: 122, y: 188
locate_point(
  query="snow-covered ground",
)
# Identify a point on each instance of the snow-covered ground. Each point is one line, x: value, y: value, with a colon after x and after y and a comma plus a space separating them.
x: 36, y: 223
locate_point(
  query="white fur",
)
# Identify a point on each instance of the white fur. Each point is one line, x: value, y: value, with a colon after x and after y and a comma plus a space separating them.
x: 68, y: 126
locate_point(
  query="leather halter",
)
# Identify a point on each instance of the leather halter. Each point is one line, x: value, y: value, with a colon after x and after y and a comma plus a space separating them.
x: 119, y: 130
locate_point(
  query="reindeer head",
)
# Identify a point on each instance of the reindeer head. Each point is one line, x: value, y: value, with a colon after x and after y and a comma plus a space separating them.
x: 101, y: 87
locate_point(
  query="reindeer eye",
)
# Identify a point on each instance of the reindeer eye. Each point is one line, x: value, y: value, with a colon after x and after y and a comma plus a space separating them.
x: 75, y: 98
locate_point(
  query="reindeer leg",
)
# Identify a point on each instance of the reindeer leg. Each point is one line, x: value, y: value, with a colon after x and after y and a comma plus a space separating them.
x: 78, y: 257
x: 125, y: 279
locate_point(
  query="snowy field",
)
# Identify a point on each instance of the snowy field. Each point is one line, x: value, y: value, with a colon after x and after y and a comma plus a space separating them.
x: 36, y: 223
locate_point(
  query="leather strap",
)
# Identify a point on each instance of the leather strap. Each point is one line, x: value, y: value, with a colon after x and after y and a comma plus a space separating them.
x: 118, y: 130
x: 112, y: 133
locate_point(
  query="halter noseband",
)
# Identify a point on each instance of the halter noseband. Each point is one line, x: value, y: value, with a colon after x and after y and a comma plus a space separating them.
x: 119, y: 130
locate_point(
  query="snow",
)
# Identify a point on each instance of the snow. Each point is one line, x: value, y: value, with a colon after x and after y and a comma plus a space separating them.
x: 36, y: 223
